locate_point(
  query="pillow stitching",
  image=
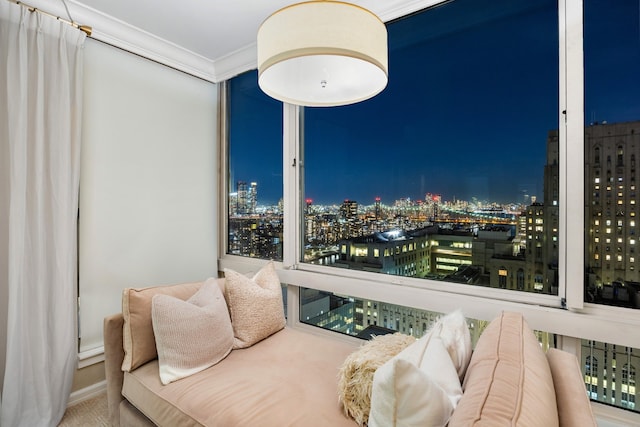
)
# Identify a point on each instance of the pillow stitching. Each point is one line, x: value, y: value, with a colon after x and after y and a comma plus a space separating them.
x: 517, y: 410
x: 496, y: 360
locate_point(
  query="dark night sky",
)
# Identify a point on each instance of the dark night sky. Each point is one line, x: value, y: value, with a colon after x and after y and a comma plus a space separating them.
x: 465, y: 114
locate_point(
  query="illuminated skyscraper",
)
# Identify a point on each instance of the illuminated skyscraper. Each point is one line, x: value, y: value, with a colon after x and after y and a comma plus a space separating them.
x: 253, y: 197
x: 349, y: 209
x: 612, y: 211
x: 242, y: 206
x: 542, y: 225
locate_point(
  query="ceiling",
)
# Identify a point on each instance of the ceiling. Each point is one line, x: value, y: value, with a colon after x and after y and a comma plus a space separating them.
x: 213, y: 39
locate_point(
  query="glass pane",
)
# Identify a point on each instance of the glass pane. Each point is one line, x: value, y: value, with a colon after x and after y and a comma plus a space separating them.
x: 612, y: 147
x: 366, y: 318
x: 255, y: 170
x: 451, y: 173
x: 610, y: 373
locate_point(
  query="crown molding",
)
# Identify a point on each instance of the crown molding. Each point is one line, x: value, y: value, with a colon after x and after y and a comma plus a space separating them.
x: 141, y: 43
x: 115, y: 32
x: 390, y: 10
x: 237, y: 62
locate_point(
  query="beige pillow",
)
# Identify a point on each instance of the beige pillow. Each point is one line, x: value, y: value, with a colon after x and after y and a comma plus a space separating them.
x: 574, y: 408
x: 191, y: 335
x: 417, y: 387
x: 355, y: 378
x: 255, y: 305
x: 138, y: 340
x: 508, y: 381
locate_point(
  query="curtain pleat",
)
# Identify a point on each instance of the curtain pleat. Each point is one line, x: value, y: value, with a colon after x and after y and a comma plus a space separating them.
x: 40, y: 117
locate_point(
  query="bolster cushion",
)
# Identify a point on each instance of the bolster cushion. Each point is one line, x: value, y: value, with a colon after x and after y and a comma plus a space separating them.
x: 508, y: 381
x: 574, y: 408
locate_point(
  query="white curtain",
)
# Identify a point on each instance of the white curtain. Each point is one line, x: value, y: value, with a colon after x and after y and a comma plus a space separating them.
x: 40, y: 117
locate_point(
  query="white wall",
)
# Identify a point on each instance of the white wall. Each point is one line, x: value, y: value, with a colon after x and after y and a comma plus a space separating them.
x: 148, y: 181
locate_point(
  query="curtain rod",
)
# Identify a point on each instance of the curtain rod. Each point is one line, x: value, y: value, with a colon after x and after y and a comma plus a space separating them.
x: 84, y: 28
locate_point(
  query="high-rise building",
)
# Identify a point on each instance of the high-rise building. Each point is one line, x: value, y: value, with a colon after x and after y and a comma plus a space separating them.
x: 542, y: 223
x: 242, y: 202
x: 349, y: 209
x: 233, y: 204
x: 611, y: 211
x: 252, y: 197
x: 610, y: 372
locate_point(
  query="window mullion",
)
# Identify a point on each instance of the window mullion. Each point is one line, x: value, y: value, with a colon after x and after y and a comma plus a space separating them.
x: 291, y: 181
x: 571, y: 153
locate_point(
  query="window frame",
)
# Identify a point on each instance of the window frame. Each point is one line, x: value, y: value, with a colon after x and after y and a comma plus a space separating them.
x: 565, y: 314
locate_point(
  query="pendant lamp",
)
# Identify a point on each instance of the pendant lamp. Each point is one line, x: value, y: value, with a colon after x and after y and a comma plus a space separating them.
x: 322, y: 54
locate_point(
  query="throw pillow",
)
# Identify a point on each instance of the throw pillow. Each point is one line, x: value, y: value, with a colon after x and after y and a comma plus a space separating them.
x: 508, y: 381
x: 453, y: 330
x: 255, y: 305
x: 138, y: 340
x: 191, y: 335
x: 417, y: 387
x: 454, y: 333
x: 355, y: 377
x: 574, y: 409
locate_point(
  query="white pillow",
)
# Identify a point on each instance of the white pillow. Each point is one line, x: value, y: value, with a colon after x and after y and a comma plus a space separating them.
x: 355, y: 377
x: 454, y: 333
x: 417, y: 387
x: 191, y: 335
x: 255, y: 305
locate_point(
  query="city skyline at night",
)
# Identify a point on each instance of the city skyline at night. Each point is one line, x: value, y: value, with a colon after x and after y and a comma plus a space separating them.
x: 459, y: 126
x: 461, y: 172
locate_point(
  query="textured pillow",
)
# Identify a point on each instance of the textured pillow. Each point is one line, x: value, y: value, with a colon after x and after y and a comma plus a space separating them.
x: 417, y: 387
x: 137, y: 333
x: 508, y: 381
x: 191, y: 335
x: 356, y: 374
x: 255, y: 305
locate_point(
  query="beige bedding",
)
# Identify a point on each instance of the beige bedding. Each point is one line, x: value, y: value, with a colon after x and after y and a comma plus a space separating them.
x: 295, y: 387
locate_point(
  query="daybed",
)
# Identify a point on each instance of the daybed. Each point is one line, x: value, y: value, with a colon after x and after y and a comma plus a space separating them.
x: 290, y: 378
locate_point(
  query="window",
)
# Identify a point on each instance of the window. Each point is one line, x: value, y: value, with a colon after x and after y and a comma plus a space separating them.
x: 600, y: 361
x: 254, y: 198
x: 354, y: 316
x: 612, y: 124
x: 393, y: 217
x: 428, y: 170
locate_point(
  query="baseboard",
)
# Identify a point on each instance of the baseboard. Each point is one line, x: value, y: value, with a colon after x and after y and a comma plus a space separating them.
x: 87, y: 393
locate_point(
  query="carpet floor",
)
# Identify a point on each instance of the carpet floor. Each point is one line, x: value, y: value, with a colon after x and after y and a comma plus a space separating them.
x: 89, y: 413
